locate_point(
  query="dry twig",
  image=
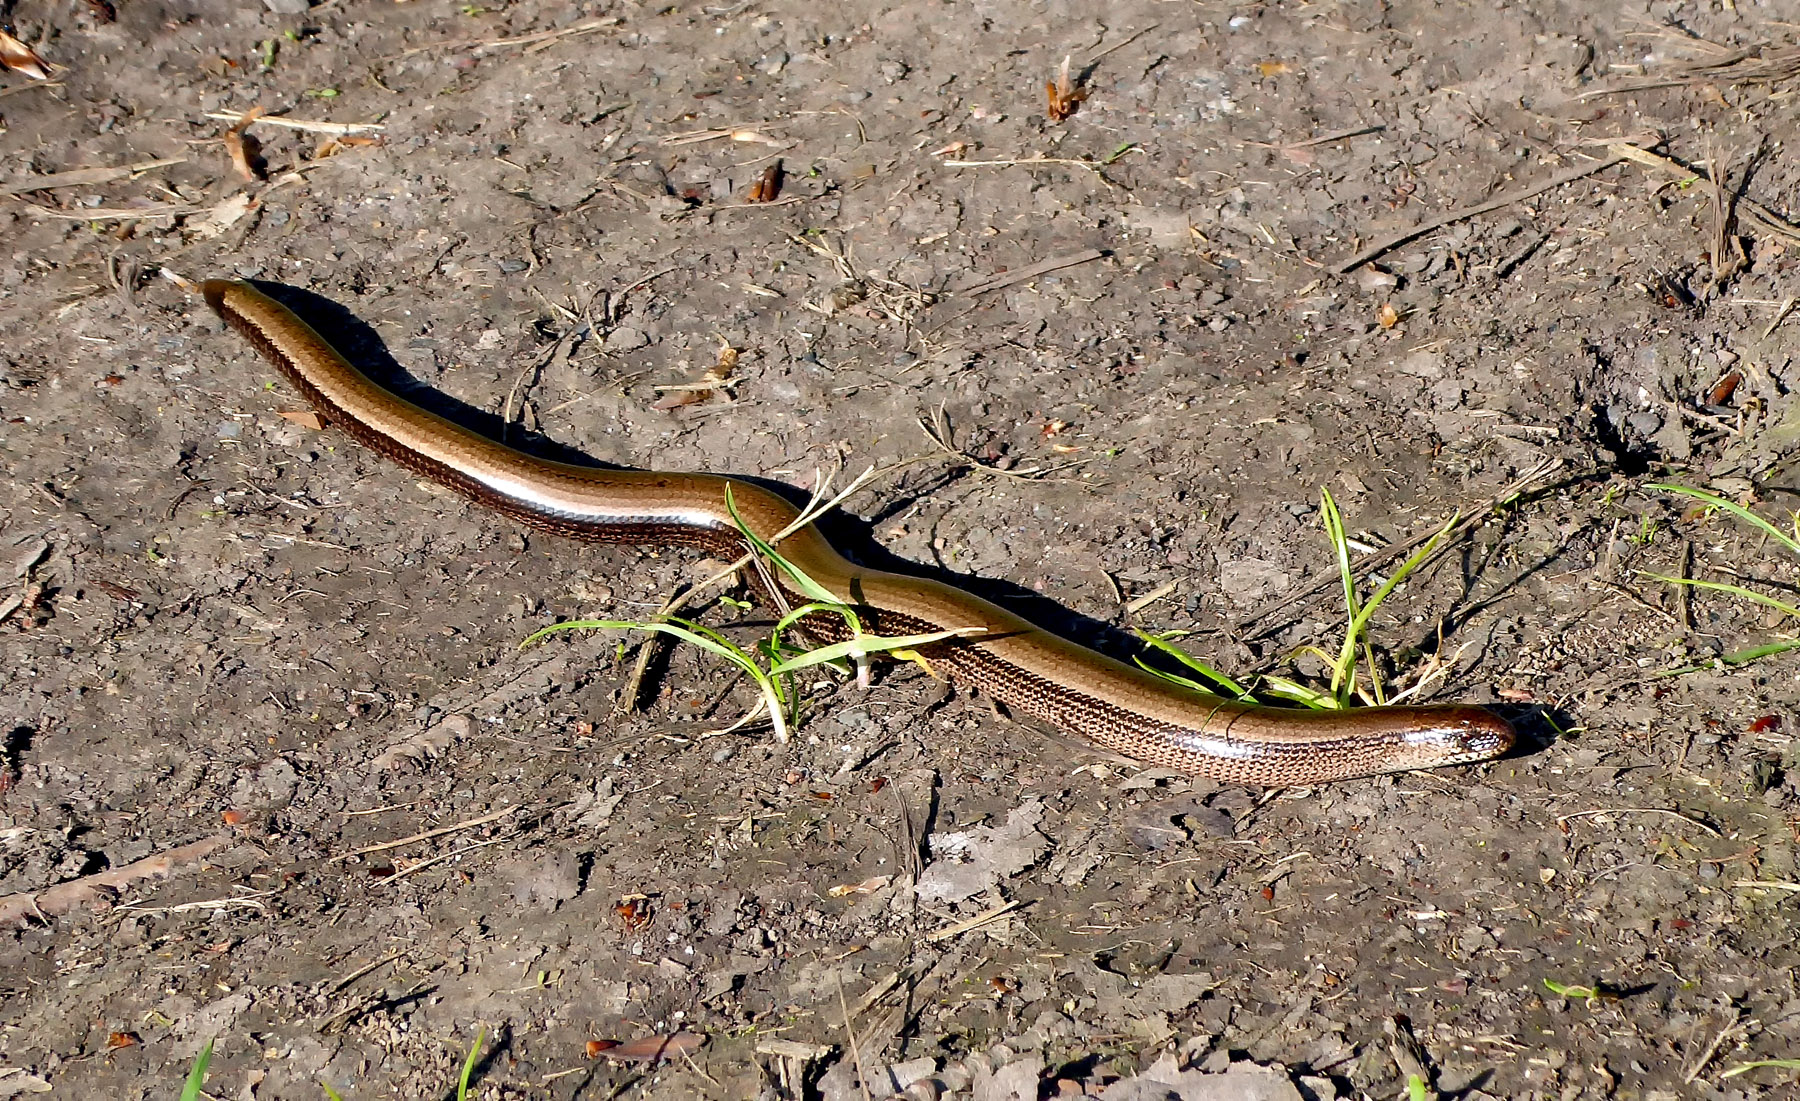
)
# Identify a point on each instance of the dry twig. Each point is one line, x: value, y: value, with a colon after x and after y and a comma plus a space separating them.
x: 1386, y: 244
x: 1761, y: 63
x: 1749, y: 211
x: 311, y: 126
x: 17, y: 911
x: 86, y: 177
x: 1029, y: 271
x: 427, y: 835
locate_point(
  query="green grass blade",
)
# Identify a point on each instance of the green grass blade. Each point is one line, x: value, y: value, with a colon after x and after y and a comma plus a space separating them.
x: 812, y: 589
x: 1283, y: 688
x: 1745, y: 1068
x: 330, y: 1093
x: 1359, y: 628
x: 542, y: 633
x: 1164, y: 646
x: 1418, y: 559
x: 866, y: 645
x: 676, y: 625
x: 1735, y: 590
x: 1570, y: 990
x: 190, y: 1090
x: 1376, y: 691
x: 468, y: 1069
x: 1174, y: 678
x: 1116, y: 155
x: 1279, y: 687
x: 1757, y: 653
x: 1343, y: 668
x: 820, y: 607
x: 1742, y: 513
x: 684, y: 629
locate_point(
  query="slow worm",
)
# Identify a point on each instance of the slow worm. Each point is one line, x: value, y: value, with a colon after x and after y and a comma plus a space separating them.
x: 1087, y: 694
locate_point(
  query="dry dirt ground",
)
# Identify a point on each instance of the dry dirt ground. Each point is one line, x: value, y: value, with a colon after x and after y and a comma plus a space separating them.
x: 278, y: 777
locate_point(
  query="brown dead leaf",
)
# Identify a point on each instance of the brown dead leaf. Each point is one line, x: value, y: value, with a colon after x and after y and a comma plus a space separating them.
x: 767, y: 187
x: 634, y: 911
x: 336, y: 144
x: 655, y: 1049
x: 118, y: 1040
x: 245, y: 150
x: 305, y: 418
x: 17, y: 55
x: 1064, y: 94
x: 1388, y: 316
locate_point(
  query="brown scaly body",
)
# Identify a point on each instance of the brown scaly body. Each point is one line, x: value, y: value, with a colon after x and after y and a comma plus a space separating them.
x: 1085, y: 693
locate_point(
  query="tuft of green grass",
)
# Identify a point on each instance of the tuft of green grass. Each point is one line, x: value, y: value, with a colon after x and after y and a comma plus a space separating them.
x: 1344, y: 690
x: 1359, y: 612
x: 1791, y: 542
x: 772, y: 661
x: 190, y: 1089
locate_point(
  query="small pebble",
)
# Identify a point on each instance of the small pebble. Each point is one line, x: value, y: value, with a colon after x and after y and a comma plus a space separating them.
x: 626, y: 339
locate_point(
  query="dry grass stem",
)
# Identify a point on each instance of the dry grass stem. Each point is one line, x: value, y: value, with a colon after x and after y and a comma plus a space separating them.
x: 1568, y: 176
x: 1760, y: 63
x: 938, y: 431
x: 86, y: 177
x: 1029, y: 271
x: 1471, y: 520
x: 533, y: 43
x: 426, y: 835
x: 311, y: 126
x: 986, y: 917
x: 1749, y: 211
x: 423, y: 864
x: 1563, y: 819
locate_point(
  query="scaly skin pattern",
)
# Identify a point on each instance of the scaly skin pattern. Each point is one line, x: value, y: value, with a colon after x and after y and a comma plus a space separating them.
x: 1106, y: 702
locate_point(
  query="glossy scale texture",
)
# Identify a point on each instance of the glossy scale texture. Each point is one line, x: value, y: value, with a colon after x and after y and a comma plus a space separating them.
x: 1111, y: 704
